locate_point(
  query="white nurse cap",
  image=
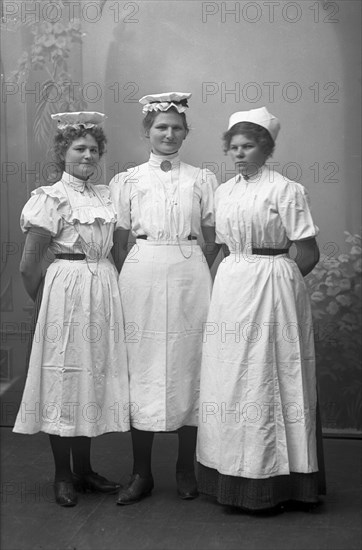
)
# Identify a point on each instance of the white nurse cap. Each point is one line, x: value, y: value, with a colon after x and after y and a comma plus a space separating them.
x: 85, y: 119
x: 261, y: 116
x: 163, y: 102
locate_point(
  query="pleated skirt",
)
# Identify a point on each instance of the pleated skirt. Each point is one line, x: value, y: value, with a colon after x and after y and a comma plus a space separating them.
x: 263, y: 494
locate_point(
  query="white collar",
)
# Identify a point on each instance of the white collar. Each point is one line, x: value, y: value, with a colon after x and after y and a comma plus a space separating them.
x: 254, y: 178
x: 156, y: 160
x: 74, y: 183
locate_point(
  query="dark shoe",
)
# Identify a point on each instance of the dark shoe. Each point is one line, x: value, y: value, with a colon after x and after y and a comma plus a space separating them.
x: 64, y: 493
x: 94, y: 483
x: 186, y: 485
x: 136, y: 489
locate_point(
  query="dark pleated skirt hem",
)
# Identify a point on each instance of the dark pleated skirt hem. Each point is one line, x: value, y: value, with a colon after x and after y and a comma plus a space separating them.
x: 259, y: 494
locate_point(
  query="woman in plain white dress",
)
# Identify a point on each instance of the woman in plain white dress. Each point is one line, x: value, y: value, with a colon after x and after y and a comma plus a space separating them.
x: 77, y: 382
x: 165, y: 288
x: 257, y: 423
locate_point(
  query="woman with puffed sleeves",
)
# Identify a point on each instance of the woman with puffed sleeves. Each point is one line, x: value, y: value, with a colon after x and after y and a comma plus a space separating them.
x: 77, y: 382
x: 165, y: 287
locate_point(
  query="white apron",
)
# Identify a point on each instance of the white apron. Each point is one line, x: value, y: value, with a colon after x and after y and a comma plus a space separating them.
x: 165, y: 287
x: 165, y: 300
x: 258, y: 385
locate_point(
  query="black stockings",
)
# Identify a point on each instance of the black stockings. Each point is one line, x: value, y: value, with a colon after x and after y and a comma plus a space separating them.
x: 186, y: 448
x: 81, y: 447
x: 63, y: 449
x: 142, y: 450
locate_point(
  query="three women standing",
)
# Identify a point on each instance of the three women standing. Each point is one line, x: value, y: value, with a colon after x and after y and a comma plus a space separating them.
x: 77, y: 383
x: 257, y: 419
x: 257, y: 428
x: 165, y: 288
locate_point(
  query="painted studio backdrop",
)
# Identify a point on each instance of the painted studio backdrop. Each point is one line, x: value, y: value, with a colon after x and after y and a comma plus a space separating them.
x: 299, y: 59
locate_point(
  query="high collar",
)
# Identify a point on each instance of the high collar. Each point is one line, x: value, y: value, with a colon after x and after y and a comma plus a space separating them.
x: 251, y: 179
x: 155, y: 160
x: 75, y: 183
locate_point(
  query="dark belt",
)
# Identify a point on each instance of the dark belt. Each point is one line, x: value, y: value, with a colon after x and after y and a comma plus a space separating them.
x: 269, y: 251
x: 70, y: 256
x: 190, y: 237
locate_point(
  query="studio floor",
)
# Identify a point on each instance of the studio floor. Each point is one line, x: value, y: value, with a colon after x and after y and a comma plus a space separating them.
x: 30, y: 519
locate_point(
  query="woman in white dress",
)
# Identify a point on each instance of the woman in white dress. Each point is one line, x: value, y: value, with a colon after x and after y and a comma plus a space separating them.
x: 257, y: 423
x: 165, y: 288
x: 77, y: 382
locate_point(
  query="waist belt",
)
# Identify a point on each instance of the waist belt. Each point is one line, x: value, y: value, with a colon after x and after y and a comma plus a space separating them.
x: 270, y: 251
x: 70, y: 256
x: 190, y: 237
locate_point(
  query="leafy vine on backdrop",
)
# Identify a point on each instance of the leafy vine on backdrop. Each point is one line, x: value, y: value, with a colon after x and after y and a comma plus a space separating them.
x: 49, y: 52
x: 335, y: 288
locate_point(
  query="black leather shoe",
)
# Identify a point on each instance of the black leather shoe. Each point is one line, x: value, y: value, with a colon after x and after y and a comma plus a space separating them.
x: 186, y: 485
x: 94, y: 483
x: 64, y: 493
x: 136, y: 489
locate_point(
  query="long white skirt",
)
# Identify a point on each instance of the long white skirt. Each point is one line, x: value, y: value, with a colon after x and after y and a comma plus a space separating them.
x: 258, y: 384
x: 165, y: 290
x: 77, y: 383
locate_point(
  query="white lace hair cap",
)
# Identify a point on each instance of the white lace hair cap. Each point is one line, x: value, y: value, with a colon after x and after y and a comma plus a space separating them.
x: 260, y: 116
x: 85, y: 119
x: 163, y: 102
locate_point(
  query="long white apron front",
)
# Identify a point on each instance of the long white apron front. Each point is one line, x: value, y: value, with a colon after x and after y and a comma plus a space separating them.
x: 258, y: 384
x: 165, y: 300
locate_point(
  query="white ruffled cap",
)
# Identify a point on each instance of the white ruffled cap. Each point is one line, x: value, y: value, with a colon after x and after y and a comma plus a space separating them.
x: 86, y: 119
x: 260, y: 116
x: 163, y: 102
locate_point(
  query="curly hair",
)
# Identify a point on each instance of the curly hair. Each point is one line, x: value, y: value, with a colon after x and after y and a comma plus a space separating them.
x: 64, y: 138
x: 252, y: 131
x: 151, y: 116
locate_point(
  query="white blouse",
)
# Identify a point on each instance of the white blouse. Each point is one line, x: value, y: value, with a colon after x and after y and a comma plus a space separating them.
x: 164, y: 205
x: 266, y: 211
x: 79, y: 216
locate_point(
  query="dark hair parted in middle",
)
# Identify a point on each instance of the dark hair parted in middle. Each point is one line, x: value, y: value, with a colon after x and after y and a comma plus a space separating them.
x: 64, y: 138
x: 252, y: 131
x: 151, y: 116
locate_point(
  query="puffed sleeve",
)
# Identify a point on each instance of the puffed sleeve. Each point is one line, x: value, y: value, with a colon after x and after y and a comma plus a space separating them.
x: 209, y: 185
x: 120, y: 187
x: 42, y: 211
x: 294, y: 210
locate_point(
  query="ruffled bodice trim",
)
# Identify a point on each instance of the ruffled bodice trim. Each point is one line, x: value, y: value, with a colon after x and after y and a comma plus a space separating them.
x: 74, y: 205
